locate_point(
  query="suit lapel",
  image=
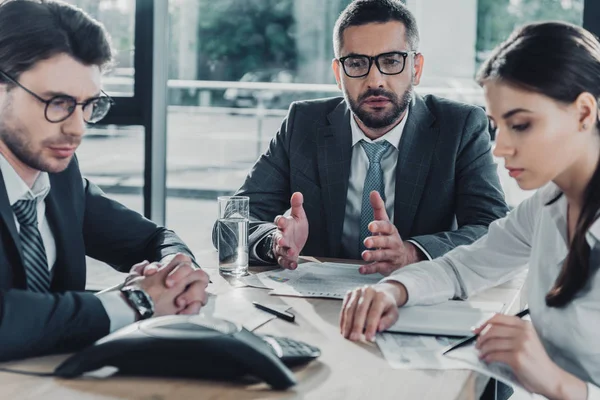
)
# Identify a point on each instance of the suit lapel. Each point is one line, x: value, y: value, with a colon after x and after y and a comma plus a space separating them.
x: 416, y: 149
x: 334, y: 144
x: 69, y: 270
x: 8, y: 218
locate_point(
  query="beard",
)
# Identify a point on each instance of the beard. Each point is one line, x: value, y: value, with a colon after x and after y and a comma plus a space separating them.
x: 18, y: 140
x: 380, y: 120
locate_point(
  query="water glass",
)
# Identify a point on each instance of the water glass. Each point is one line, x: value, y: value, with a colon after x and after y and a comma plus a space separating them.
x: 232, y: 231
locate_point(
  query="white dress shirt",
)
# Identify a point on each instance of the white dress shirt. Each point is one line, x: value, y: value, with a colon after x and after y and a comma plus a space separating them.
x: 119, y: 312
x: 358, y: 172
x: 535, y: 234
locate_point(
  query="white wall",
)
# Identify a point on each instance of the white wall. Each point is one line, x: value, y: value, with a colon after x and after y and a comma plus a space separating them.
x: 448, y: 30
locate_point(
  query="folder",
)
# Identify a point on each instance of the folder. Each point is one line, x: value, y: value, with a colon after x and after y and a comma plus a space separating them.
x: 452, y: 318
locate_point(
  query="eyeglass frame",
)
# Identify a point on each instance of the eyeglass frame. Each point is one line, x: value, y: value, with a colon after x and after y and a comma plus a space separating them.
x: 49, y: 101
x: 375, y: 59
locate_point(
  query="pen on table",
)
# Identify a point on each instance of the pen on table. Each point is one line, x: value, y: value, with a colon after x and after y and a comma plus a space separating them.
x: 470, y: 339
x: 283, y: 315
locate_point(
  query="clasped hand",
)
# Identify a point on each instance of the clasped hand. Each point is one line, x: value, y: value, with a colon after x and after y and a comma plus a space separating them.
x: 174, y: 284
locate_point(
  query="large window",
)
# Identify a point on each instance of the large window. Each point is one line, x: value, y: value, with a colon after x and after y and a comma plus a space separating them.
x: 235, y: 67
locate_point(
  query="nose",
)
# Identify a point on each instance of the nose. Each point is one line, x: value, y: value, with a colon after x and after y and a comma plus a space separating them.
x: 75, y: 125
x: 503, y: 145
x: 375, y: 78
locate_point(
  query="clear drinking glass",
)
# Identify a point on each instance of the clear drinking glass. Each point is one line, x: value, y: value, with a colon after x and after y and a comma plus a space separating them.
x: 232, y: 233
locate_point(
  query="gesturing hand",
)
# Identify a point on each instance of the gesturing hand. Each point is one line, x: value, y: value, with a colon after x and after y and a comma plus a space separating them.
x: 391, y: 252
x: 291, y: 234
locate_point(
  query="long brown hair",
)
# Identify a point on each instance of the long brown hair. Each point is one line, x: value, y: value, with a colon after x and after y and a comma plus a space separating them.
x: 561, y: 61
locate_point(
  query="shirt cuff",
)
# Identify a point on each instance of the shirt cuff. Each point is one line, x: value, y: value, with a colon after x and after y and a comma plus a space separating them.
x: 593, y: 392
x: 418, y: 246
x: 261, y: 256
x: 119, y: 312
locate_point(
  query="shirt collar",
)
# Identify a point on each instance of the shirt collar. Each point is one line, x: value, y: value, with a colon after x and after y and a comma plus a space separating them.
x: 393, y: 136
x: 17, y: 189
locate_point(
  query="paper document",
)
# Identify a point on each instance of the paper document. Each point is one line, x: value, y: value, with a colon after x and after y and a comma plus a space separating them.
x: 330, y: 280
x: 417, y: 352
x: 469, y: 355
x: 233, y: 307
x: 451, y: 318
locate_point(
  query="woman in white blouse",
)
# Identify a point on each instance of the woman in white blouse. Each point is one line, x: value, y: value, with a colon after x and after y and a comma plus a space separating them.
x: 542, y: 88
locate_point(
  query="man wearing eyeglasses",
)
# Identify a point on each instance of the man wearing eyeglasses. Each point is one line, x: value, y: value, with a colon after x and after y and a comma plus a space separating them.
x: 51, y: 59
x: 381, y: 174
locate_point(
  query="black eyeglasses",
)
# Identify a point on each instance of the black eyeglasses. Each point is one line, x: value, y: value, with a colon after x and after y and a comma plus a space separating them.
x: 358, y: 65
x: 61, y: 107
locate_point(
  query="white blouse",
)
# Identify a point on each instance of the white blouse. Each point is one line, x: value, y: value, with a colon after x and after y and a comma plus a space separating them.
x: 536, y: 234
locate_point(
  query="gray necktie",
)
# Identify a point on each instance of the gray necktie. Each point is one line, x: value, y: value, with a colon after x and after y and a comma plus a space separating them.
x: 373, y: 181
x: 34, y: 253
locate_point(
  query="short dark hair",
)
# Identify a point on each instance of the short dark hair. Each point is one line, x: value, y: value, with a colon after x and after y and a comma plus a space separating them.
x: 36, y: 30
x: 560, y: 61
x: 362, y: 12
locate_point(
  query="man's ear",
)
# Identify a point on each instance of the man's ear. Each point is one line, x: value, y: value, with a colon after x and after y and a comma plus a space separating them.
x: 337, y: 69
x: 419, y: 62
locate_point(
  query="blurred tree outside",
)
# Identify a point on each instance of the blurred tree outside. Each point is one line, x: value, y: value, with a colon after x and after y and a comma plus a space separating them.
x: 496, y: 19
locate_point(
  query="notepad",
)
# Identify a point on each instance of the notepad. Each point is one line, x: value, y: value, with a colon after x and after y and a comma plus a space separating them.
x: 452, y: 318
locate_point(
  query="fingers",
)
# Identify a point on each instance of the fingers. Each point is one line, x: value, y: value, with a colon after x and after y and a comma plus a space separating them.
x: 501, y: 320
x: 185, y: 274
x: 348, y: 310
x: 379, y: 255
x: 390, y: 316
x: 494, y: 332
x: 150, y: 269
x: 383, y: 228
x: 139, y: 267
x: 384, y: 268
x: 363, y: 305
x: 287, y: 263
x: 496, y: 345
x: 195, y: 292
x: 297, y: 211
x: 281, y: 222
x: 373, y: 317
x: 191, y: 309
x: 384, y: 241
x: 378, y: 205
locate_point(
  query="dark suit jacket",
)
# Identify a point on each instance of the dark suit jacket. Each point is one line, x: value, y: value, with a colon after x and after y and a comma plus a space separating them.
x: 83, y: 222
x: 447, y: 186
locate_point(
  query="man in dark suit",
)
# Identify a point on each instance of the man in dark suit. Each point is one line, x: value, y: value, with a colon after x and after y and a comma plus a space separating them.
x: 50, y: 216
x: 382, y: 173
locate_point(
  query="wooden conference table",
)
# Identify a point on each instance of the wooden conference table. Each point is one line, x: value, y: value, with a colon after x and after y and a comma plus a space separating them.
x: 345, y: 370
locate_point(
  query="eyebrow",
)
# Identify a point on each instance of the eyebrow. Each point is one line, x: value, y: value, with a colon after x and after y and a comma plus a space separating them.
x: 50, y: 93
x: 513, y: 112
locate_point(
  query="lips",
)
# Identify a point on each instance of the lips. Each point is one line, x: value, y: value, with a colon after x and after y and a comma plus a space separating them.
x: 376, y: 101
x: 514, y: 172
x: 63, y: 151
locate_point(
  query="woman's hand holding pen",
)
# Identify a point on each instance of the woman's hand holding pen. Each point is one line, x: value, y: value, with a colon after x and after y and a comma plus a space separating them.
x: 514, y: 342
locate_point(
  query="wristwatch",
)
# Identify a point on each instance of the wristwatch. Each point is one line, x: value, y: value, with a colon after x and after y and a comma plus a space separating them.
x: 139, y: 300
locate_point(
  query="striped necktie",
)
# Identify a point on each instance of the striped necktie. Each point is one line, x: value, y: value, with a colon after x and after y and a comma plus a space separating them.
x: 373, y: 181
x: 34, y: 253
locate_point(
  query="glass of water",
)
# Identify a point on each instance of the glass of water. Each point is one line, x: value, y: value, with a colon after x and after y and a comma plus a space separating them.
x: 232, y: 225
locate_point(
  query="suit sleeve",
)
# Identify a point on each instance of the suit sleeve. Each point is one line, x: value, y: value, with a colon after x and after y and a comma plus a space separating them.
x: 479, y: 196
x: 34, y: 324
x: 121, y: 237
x: 268, y: 186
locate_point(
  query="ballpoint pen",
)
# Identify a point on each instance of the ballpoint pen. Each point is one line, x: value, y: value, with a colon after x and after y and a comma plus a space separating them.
x: 283, y: 315
x: 470, y: 339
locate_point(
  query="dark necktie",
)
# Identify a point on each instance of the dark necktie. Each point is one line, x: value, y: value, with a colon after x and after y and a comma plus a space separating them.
x: 34, y: 253
x: 373, y: 181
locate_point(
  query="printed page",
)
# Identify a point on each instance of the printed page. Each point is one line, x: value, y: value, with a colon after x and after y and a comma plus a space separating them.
x: 417, y: 351
x: 329, y: 280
